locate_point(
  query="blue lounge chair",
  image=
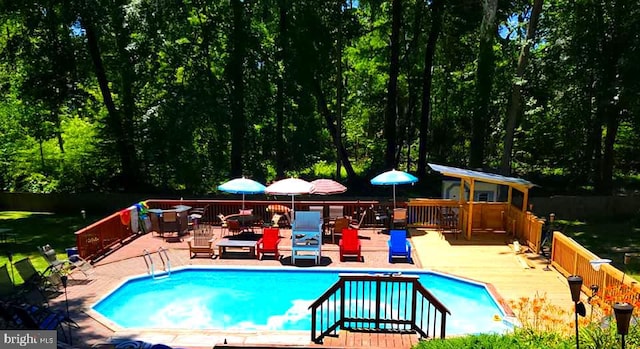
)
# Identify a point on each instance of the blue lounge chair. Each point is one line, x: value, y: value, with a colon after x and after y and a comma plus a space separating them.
x: 399, y: 245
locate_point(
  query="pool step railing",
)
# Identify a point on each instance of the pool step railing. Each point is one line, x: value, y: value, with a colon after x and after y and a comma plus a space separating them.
x: 164, y: 257
x: 380, y: 303
x: 149, y: 262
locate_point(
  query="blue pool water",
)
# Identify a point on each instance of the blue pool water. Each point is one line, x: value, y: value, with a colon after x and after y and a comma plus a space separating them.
x: 271, y: 299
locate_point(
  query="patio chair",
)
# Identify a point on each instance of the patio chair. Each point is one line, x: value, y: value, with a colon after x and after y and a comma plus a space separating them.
x: 44, y: 283
x: 399, y: 245
x: 34, y: 318
x: 66, y: 266
x: 350, y: 244
x: 268, y: 243
x: 275, y: 220
x: 358, y: 224
x: 317, y: 209
x: 306, y: 236
x: 8, y: 289
x: 9, y: 292
x: 234, y: 226
x: 201, y: 242
x: 336, y: 212
x: 223, y: 224
x: 339, y: 225
x: 170, y: 222
x: 81, y: 264
x: 57, y: 265
x: 399, y: 218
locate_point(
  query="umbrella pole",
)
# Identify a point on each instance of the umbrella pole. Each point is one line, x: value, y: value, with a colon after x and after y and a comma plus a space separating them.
x: 243, y: 201
x: 394, y: 196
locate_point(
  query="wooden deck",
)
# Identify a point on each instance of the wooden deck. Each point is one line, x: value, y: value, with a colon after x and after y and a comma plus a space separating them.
x: 487, y: 258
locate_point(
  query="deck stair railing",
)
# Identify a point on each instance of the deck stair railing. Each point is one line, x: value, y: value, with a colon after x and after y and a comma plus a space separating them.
x: 378, y: 302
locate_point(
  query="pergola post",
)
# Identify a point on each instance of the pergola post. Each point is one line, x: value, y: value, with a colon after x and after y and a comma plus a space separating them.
x: 525, y: 200
x: 472, y: 184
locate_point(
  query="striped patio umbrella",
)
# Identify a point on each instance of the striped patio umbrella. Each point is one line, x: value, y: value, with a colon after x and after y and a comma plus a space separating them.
x: 327, y: 187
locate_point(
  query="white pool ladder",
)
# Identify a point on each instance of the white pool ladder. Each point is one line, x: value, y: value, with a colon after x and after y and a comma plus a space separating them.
x: 164, y: 257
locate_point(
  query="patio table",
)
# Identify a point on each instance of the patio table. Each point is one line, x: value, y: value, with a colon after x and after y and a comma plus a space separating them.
x: 228, y: 243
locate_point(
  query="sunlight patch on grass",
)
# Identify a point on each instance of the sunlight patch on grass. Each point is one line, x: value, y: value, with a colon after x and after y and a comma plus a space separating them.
x: 570, y: 223
x: 20, y: 214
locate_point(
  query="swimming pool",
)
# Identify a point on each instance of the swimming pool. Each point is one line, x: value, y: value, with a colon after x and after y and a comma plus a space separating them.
x: 250, y: 299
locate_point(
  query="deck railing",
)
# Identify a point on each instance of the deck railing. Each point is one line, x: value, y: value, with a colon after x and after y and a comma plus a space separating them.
x: 571, y: 258
x: 99, y: 238
x: 493, y: 216
x: 380, y: 303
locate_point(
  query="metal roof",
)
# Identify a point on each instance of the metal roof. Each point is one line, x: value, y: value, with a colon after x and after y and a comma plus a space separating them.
x: 482, y: 176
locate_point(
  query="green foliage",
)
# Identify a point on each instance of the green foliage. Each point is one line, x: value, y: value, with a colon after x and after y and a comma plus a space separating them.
x: 516, y: 340
x: 179, y: 114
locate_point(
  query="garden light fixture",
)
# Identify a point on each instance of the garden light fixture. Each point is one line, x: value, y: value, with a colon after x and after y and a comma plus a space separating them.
x: 623, y: 312
x: 575, y: 286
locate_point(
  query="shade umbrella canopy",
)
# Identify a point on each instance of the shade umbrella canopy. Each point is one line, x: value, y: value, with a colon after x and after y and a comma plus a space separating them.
x: 394, y: 177
x: 242, y: 186
x: 289, y: 186
x: 327, y: 187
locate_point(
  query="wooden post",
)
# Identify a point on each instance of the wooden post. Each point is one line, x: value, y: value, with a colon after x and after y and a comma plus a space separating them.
x: 471, y: 197
x: 525, y: 200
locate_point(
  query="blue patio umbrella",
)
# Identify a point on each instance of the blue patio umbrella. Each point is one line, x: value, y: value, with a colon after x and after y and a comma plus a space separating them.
x: 393, y: 178
x: 242, y: 186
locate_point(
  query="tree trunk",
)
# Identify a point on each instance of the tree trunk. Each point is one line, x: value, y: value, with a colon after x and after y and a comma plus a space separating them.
x: 427, y: 78
x: 329, y: 119
x: 391, y: 111
x: 280, y: 94
x: 484, y: 82
x: 114, y: 121
x: 614, y: 41
x: 339, y: 93
x: 238, y: 122
x: 127, y: 106
x: 516, y: 88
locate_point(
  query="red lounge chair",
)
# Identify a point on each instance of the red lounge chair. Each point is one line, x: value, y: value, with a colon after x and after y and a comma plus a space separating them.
x: 268, y: 243
x: 350, y: 244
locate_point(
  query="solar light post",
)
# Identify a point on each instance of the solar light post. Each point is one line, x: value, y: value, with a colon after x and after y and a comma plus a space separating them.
x: 65, y: 279
x: 575, y: 286
x: 623, y: 312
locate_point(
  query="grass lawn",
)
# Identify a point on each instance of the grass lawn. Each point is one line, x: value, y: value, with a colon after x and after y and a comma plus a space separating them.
x: 33, y: 229
x: 609, y: 238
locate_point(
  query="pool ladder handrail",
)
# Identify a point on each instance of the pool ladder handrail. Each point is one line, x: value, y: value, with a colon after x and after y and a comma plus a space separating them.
x: 166, y: 265
x: 149, y: 262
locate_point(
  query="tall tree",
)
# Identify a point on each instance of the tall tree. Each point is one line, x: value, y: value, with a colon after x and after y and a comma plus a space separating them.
x: 437, y: 7
x: 237, y: 40
x: 484, y: 82
x: 391, y: 110
x: 515, y: 106
x: 115, y: 120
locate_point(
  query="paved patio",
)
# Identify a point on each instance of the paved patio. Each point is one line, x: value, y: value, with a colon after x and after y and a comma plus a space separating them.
x: 487, y: 258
